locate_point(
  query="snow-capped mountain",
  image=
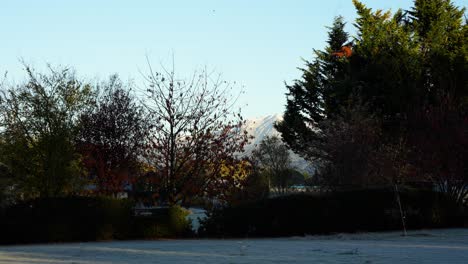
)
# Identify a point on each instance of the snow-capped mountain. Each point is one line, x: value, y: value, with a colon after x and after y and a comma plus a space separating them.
x: 261, y: 127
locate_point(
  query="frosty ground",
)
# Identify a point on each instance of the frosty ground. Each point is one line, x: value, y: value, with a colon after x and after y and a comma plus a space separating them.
x: 426, y: 246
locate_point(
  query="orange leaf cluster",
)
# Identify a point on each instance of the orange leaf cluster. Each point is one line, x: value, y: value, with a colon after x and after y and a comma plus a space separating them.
x: 345, y: 51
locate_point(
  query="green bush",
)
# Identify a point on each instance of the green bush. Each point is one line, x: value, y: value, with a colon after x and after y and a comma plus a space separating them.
x: 165, y: 222
x: 86, y: 219
x: 352, y: 211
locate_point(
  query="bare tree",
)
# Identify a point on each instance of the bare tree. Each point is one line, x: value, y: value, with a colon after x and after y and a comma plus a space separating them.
x: 273, y: 157
x: 391, y: 166
x: 196, y: 134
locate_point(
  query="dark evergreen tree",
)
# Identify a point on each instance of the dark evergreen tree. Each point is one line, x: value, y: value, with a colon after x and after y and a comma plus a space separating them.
x: 442, y: 37
x: 396, y: 68
x: 316, y: 96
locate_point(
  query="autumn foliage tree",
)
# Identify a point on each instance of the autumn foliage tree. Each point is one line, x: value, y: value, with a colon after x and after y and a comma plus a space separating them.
x: 113, y: 137
x: 440, y: 138
x: 195, y: 134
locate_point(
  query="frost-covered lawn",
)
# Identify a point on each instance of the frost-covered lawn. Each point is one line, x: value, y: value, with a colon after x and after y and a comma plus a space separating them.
x: 428, y: 246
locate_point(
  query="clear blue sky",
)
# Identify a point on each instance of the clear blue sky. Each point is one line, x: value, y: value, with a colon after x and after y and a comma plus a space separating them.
x: 259, y: 44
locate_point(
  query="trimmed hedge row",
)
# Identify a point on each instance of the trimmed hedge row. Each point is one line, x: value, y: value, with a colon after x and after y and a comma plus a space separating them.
x: 86, y: 219
x: 353, y: 211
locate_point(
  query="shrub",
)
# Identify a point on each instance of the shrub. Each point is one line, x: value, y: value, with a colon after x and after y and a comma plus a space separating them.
x: 85, y: 219
x: 165, y: 222
x: 351, y: 211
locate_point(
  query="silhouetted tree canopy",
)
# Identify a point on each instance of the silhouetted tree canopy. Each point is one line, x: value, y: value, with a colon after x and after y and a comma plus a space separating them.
x: 113, y: 137
x: 397, y: 66
x: 40, y: 121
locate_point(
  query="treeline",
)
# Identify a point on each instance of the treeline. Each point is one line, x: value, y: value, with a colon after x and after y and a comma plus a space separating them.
x: 170, y: 141
x: 387, y: 106
x: 78, y: 158
x: 383, y: 116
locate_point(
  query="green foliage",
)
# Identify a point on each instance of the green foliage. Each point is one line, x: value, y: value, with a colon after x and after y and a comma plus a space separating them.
x: 165, y: 222
x: 39, y: 125
x: 397, y: 67
x: 442, y: 36
x: 385, y: 68
x: 324, y: 87
x: 255, y: 187
x: 408, y: 60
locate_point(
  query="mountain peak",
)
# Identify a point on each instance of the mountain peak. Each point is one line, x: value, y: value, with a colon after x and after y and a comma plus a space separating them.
x: 265, y: 118
x: 264, y: 126
x: 260, y: 127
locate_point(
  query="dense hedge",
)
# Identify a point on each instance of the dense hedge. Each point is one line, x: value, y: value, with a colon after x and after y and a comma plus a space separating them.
x: 91, y: 218
x: 86, y: 219
x: 353, y: 211
x: 166, y: 222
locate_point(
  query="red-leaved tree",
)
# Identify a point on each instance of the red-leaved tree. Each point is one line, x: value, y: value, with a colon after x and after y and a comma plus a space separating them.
x: 440, y: 138
x: 113, y: 138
